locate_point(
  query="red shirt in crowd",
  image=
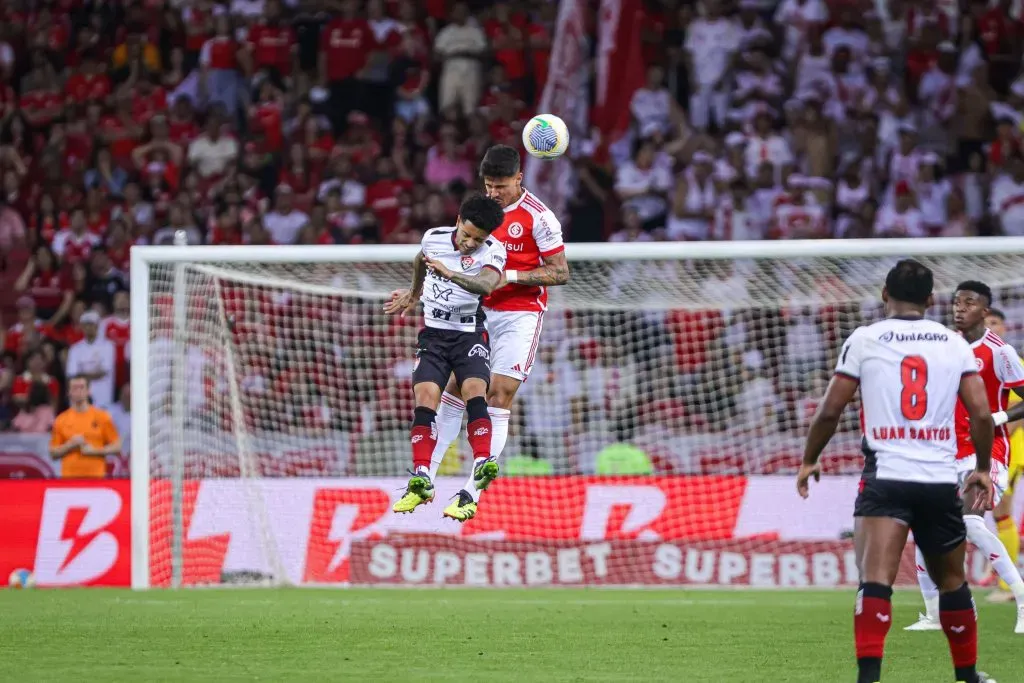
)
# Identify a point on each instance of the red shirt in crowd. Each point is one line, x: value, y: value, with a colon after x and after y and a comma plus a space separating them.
x: 272, y: 47
x: 220, y: 52
x: 269, y: 118
x: 23, y: 383
x: 145, y: 105
x: 14, y: 335
x: 47, y: 288
x: 118, y: 331
x: 382, y: 196
x: 996, y: 31
x: 81, y: 88
x: 345, y: 44
x: 512, y: 55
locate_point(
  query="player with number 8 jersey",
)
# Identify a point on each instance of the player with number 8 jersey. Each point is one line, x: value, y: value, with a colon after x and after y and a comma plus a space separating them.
x: 910, y: 372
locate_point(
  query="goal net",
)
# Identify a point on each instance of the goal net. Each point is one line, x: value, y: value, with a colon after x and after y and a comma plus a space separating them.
x: 672, y: 385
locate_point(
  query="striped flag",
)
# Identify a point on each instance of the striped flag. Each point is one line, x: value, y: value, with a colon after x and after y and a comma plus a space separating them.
x: 565, y: 95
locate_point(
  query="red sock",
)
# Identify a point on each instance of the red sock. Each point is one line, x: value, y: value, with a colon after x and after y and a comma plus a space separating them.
x: 424, y: 437
x: 871, y: 621
x: 479, y: 431
x: 960, y: 622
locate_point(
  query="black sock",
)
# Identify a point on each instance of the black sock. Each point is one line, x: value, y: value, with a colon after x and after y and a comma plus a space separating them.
x: 869, y: 669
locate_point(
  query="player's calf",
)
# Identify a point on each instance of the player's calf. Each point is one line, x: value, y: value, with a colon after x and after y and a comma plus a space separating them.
x: 960, y: 623
x: 479, y: 428
x: 871, y: 621
x: 420, y: 489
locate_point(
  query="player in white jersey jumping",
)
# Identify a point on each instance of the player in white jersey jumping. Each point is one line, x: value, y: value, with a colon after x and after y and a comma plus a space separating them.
x: 532, y: 237
x: 910, y: 372
x: 456, y: 267
x: 1000, y: 369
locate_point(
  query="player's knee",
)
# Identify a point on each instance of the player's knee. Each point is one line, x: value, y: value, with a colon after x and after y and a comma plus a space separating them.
x: 501, y: 394
x: 472, y: 388
x: 427, y: 394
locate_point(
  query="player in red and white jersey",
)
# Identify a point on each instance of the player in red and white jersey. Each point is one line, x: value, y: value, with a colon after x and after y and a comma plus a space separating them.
x: 1001, y: 370
x: 514, y: 313
x: 910, y: 372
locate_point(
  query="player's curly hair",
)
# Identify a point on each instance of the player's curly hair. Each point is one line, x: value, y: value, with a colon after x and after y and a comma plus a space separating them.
x: 500, y: 161
x: 910, y: 281
x: 977, y: 287
x: 483, y: 212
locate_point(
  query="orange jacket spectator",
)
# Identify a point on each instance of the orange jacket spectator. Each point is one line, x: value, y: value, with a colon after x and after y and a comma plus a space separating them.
x: 83, y: 435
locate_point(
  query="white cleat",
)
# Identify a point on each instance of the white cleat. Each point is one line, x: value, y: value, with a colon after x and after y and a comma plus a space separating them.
x: 925, y: 623
x: 1020, y: 620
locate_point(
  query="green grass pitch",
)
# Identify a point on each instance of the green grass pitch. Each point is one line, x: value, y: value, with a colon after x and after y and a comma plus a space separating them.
x: 550, y: 635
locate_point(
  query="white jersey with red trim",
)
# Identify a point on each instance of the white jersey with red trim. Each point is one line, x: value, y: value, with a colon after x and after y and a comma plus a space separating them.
x: 1001, y: 369
x: 909, y: 372
x: 530, y: 233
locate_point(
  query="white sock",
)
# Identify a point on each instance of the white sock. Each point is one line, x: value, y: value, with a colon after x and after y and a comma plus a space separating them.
x: 989, y: 543
x: 449, y: 424
x: 928, y: 588
x: 499, y: 435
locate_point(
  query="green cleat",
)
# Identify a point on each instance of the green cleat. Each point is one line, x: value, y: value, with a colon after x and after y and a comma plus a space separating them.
x: 484, y: 472
x: 463, y: 509
x: 419, y: 491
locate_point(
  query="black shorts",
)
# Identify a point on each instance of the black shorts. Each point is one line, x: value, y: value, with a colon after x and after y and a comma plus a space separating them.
x: 442, y: 352
x: 934, y: 512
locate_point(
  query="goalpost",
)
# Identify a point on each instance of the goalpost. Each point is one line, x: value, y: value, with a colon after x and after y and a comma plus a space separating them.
x: 271, y: 400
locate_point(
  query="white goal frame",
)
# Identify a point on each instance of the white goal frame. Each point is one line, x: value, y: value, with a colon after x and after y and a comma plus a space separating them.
x: 145, y: 256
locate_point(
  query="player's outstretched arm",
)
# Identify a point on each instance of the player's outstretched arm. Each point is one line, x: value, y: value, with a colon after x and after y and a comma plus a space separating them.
x: 823, y: 425
x: 482, y: 284
x: 403, y: 301
x: 555, y: 271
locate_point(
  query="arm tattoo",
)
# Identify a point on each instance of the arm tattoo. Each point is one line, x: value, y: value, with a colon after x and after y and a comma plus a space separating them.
x: 482, y: 284
x: 419, y: 273
x: 555, y: 271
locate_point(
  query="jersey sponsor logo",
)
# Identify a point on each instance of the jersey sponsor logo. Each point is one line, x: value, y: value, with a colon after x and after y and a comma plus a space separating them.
x: 500, y: 260
x: 441, y: 293
x: 891, y: 336
x: 479, y: 350
x: 416, y: 438
x: 514, y: 246
x: 482, y: 431
x: 515, y: 231
x: 467, y: 262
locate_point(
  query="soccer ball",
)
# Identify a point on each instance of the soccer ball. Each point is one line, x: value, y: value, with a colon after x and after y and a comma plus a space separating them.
x: 21, y: 578
x: 546, y: 136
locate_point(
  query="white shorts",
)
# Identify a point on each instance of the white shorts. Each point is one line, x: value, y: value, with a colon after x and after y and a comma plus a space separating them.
x: 1000, y: 476
x: 514, y: 337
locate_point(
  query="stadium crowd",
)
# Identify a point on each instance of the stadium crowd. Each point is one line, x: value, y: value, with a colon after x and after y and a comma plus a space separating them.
x: 357, y: 122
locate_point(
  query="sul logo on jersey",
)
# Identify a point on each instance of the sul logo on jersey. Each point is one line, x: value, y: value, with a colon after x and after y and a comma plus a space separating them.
x: 515, y: 231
